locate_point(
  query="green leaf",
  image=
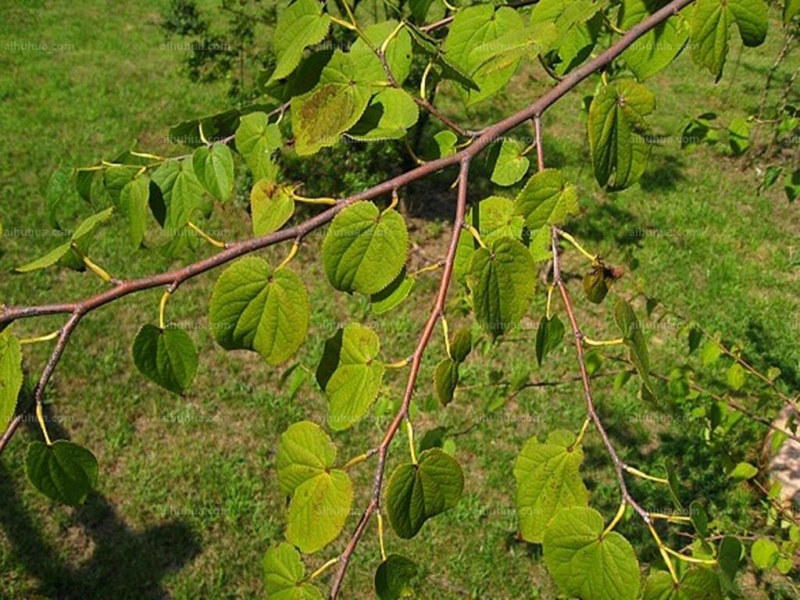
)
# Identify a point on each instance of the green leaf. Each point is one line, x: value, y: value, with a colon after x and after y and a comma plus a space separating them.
x: 419, y: 10
x: 695, y: 584
x: 214, y: 169
x: 445, y: 380
x: 771, y: 174
x: 728, y: 557
x: 394, y: 577
x: 541, y: 244
x: 271, y: 205
x: 546, y: 199
x: 256, y: 140
x: 284, y: 575
x: 393, y: 294
x: 255, y: 308
x: 765, y: 553
x: 319, y: 510
x: 699, y: 518
x: 133, y: 200
x: 64, y: 472
x: 737, y: 376
x: 365, y: 249
x: 444, y: 67
x: 743, y: 471
x: 633, y: 338
x: 510, y: 165
x: 305, y: 452
x: 10, y: 377
x: 47, y: 260
x: 321, y: 496
x: 549, y: 336
x: 461, y: 345
x: 89, y: 224
x: 390, y: 114
x: 711, y: 352
x: 658, y: 47
x: 739, y: 136
x: 300, y: 25
x: 710, y: 22
x: 474, y: 29
x: 416, y: 493
x: 165, y: 356
x: 321, y: 116
x: 117, y: 177
x: 695, y: 337
x: 183, y: 194
x: 569, y: 29
x: 587, y: 564
x: 502, y: 282
x: 367, y: 67
x: 349, y: 374
x: 548, y: 480
x: 616, y: 125
x: 791, y: 185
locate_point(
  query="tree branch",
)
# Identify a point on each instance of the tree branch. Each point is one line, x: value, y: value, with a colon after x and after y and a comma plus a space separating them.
x: 416, y: 363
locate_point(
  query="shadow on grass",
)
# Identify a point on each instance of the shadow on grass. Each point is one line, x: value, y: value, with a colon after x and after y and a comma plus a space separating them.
x: 124, y: 563
x: 664, y: 172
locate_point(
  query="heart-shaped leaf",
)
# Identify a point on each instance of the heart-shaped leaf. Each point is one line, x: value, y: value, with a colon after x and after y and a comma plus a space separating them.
x: 349, y: 374
x: 617, y: 125
x: 214, y: 169
x: 63, y: 471
x: 548, y: 480
x: 321, y: 496
x: 165, y: 356
x: 272, y: 205
x: 364, y: 249
x: 394, y: 578
x: 587, y: 563
x: 256, y: 140
x: 418, y: 492
x: 255, y: 308
x: 502, y: 282
x: 546, y: 199
x: 284, y: 575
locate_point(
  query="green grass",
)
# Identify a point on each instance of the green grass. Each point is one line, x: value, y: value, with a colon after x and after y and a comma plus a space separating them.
x: 188, y: 501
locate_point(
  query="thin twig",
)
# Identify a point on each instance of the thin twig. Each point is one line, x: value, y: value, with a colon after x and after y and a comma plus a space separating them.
x: 416, y: 363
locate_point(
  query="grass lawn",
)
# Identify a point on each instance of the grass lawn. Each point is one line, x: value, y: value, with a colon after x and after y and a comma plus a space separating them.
x: 188, y: 501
